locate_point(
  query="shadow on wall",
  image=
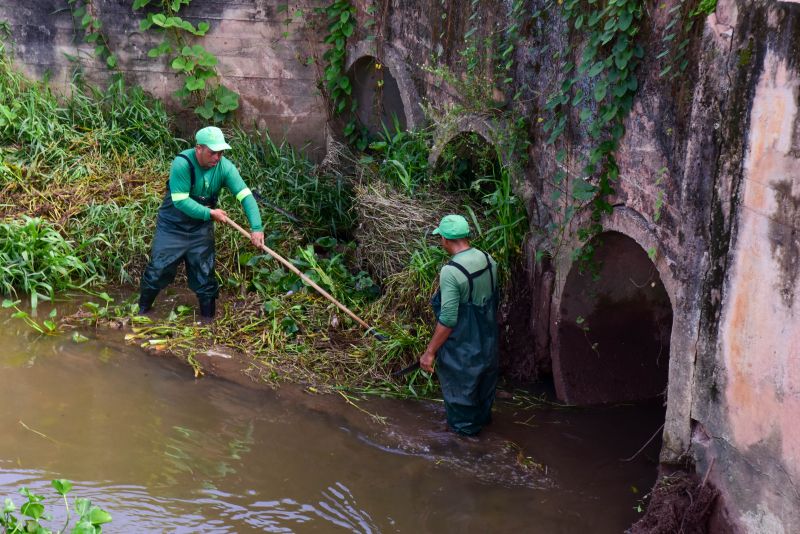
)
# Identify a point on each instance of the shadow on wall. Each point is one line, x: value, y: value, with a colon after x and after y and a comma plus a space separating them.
x: 378, y: 96
x: 613, y: 331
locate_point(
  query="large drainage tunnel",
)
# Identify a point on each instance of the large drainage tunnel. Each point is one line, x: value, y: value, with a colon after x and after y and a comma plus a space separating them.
x: 614, y: 328
x: 377, y: 95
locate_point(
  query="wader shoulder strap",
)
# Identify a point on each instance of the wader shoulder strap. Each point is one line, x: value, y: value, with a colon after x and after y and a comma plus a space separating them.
x: 191, y: 172
x: 466, y: 273
x: 476, y: 274
x: 489, y: 266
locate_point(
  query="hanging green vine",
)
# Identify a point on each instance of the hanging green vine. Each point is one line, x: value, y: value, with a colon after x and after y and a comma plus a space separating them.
x: 675, y: 41
x: 607, y: 65
x: 508, y: 43
x: 341, y: 18
x: 83, y: 13
x: 197, y: 66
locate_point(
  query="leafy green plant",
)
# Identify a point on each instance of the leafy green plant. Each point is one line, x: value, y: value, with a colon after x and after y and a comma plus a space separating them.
x: 401, y: 157
x: 37, y: 260
x: 504, y: 56
x: 83, y: 13
x: 676, y: 39
x: 287, y: 179
x: 196, y: 64
x: 341, y: 17
x: 46, y: 327
x: 90, y: 518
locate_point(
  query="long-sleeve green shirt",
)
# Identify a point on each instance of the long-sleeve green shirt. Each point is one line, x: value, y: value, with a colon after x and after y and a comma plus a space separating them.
x: 454, y: 286
x: 208, y: 183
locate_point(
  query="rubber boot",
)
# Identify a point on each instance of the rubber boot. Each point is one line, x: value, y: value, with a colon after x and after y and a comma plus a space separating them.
x: 208, y: 308
x: 146, y: 299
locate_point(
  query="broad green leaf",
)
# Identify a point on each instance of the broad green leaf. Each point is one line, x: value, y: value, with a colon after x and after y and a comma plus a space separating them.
x: 98, y: 516
x: 583, y: 190
x: 139, y: 4
x: 84, y: 527
x: 625, y: 20
x: 596, y: 69
x: 82, y: 506
x: 61, y: 485
x: 193, y: 84
x: 600, y: 91
x: 32, y: 509
x: 179, y: 63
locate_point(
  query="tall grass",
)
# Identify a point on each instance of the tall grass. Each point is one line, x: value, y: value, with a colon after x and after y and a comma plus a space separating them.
x: 35, y: 259
x: 117, y: 236
x: 283, y: 177
x: 401, y: 157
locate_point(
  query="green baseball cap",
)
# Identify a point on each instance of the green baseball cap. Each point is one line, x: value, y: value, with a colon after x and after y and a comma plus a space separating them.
x: 452, y: 227
x: 212, y: 137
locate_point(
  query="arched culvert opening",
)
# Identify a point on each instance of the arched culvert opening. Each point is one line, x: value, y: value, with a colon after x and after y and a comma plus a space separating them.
x: 377, y: 96
x: 468, y: 162
x: 614, y: 328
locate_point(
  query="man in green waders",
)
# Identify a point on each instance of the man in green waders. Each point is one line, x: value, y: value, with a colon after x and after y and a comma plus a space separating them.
x: 464, y: 343
x: 185, y: 224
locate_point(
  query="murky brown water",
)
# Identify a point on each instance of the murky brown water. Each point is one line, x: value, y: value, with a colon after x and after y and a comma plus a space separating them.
x: 163, y: 452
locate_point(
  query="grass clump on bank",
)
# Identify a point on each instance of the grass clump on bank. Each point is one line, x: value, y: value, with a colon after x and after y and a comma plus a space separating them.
x: 92, y: 167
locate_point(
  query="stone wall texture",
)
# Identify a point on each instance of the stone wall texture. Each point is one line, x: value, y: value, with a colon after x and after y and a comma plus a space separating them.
x: 720, y: 145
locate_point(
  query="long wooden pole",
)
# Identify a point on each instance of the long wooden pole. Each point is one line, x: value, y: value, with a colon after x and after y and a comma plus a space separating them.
x: 307, y: 280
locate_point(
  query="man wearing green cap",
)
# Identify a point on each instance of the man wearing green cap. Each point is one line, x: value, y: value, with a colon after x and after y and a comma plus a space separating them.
x: 184, y: 227
x: 464, y: 343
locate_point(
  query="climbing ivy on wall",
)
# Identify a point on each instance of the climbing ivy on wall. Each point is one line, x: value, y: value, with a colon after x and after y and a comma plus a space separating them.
x: 83, y: 13
x: 341, y: 25
x: 341, y: 16
x: 600, y: 87
x: 675, y: 42
x: 197, y: 66
x: 504, y: 57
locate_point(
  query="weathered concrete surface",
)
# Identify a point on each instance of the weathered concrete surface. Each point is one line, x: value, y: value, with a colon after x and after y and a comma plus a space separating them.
x: 751, y: 426
x: 261, y: 57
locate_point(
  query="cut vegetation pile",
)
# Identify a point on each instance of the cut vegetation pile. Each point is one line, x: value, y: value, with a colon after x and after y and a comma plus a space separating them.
x: 392, y: 226
x: 81, y: 178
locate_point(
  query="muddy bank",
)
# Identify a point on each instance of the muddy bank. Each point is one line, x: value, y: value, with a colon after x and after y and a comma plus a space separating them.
x: 682, y: 501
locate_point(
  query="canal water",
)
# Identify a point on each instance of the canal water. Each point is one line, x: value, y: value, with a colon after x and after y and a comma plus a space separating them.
x: 165, y: 452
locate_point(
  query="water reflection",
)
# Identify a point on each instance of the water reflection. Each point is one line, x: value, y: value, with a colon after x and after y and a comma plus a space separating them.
x: 163, y: 452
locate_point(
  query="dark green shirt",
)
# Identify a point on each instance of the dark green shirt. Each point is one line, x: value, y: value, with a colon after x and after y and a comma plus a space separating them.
x: 208, y: 183
x: 455, y: 286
